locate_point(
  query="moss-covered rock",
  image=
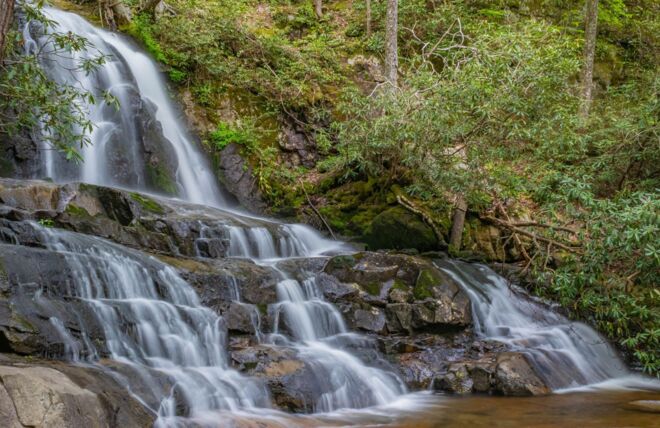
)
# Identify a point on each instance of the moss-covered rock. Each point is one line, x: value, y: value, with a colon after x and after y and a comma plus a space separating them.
x: 397, y: 228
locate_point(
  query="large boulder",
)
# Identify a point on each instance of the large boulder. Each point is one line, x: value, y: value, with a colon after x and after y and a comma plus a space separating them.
x: 43, y: 396
x: 397, y: 228
x: 515, y: 376
x: 395, y: 292
x: 289, y: 379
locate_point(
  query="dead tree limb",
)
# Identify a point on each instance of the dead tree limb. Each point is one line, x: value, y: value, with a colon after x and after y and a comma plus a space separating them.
x: 425, y: 216
x: 316, y: 211
x: 520, y: 231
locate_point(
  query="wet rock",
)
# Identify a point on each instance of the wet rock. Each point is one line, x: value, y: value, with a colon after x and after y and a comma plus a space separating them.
x: 514, y: 376
x: 399, y: 317
x: 289, y: 379
x: 369, y: 319
x: 456, y: 380
x: 238, y: 178
x: 31, y: 281
x: 242, y: 318
x: 160, y: 159
x: 132, y: 219
x: 20, y: 153
x: 414, y: 294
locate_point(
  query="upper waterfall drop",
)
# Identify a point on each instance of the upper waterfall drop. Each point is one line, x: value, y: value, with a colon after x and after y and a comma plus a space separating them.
x: 147, y: 123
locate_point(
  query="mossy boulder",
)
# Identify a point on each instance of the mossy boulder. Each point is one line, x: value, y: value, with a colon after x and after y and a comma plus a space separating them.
x: 406, y: 293
x: 396, y: 228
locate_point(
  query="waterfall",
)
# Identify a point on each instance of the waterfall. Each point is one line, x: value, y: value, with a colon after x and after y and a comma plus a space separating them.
x: 153, y: 322
x: 565, y: 354
x: 152, y: 319
x: 313, y: 327
x: 147, y: 121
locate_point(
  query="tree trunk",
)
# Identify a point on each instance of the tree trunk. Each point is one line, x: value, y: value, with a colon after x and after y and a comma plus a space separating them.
x: 458, y: 223
x: 391, y: 42
x: 115, y: 13
x: 590, y: 33
x: 318, y: 8
x: 368, y: 18
x: 6, y: 18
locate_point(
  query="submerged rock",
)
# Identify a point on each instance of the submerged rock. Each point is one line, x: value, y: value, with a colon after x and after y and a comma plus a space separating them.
x: 649, y: 406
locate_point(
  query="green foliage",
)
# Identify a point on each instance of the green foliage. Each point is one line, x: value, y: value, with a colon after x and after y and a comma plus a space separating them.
x: 47, y: 222
x: 225, y: 135
x: 614, y: 282
x: 448, y: 130
x: 30, y: 101
x: 141, y: 29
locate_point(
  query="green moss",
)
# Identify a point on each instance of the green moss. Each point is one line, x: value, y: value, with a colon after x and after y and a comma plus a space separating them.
x: 341, y: 262
x: 400, y: 285
x: 76, y: 211
x: 426, y: 280
x: 263, y: 308
x: 147, y: 203
x: 372, y: 288
x: 397, y: 228
x: 23, y: 323
x: 160, y: 179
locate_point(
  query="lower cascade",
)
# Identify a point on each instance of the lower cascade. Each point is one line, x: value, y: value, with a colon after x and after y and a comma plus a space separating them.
x: 208, y: 316
x: 565, y: 354
x: 152, y: 322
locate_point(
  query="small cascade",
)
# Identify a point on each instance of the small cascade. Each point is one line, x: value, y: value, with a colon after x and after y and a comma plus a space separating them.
x: 313, y: 327
x: 153, y: 322
x: 565, y: 354
x: 281, y: 241
x: 146, y: 122
x: 318, y: 332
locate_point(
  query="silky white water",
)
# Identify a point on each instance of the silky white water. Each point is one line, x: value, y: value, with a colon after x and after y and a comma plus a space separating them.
x: 152, y: 321
x: 115, y: 156
x: 565, y: 354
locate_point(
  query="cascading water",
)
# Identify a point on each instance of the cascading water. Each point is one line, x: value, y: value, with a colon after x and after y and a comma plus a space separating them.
x: 146, y: 121
x: 152, y: 320
x: 314, y: 327
x: 565, y: 354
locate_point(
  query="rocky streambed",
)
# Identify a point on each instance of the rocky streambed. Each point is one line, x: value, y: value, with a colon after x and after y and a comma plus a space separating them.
x: 415, y: 319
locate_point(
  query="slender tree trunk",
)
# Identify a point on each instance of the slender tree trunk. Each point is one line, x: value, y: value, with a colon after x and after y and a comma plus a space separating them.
x: 6, y: 18
x: 391, y: 42
x: 458, y: 223
x: 590, y: 32
x: 115, y: 13
x: 368, y: 18
x: 318, y: 8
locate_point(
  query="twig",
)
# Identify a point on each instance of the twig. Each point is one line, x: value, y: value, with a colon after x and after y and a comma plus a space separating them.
x: 427, y: 218
x: 309, y: 201
x: 531, y: 235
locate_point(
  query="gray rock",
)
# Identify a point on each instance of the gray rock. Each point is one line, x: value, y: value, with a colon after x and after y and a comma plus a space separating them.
x: 238, y: 177
x: 369, y: 319
x: 514, y: 376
